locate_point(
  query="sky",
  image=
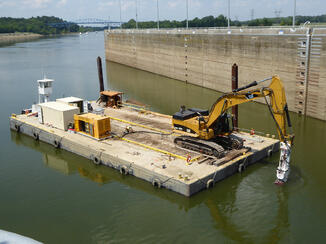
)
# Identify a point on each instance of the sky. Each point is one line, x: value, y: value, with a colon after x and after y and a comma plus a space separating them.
x: 168, y: 9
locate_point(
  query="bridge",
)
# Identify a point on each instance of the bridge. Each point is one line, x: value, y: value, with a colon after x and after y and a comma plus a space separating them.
x: 88, y: 21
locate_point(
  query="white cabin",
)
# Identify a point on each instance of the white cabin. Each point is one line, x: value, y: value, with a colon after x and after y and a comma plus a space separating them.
x: 44, y: 89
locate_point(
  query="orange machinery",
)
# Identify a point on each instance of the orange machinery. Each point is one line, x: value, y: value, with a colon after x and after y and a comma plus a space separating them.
x: 111, y: 98
x: 93, y: 125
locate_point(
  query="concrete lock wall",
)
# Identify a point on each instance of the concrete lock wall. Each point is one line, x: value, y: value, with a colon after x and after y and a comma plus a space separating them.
x: 204, y: 57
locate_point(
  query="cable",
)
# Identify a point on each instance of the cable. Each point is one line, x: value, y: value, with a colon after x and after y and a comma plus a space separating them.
x: 143, y: 131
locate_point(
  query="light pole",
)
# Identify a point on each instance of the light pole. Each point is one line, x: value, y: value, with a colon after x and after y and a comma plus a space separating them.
x: 136, y: 15
x: 120, y: 14
x: 228, y: 14
x: 187, y: 12
x: 158, y: 16
x: 294, y: 12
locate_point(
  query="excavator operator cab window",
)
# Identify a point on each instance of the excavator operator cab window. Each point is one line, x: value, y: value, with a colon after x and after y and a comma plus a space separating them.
x: 223, y: 125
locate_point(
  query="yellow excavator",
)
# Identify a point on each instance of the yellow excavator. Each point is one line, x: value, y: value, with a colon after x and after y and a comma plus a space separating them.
x: 210, y: 132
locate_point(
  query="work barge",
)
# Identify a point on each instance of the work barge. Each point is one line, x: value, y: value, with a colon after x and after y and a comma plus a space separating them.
x: 142, y: 144
x: 129, y: 137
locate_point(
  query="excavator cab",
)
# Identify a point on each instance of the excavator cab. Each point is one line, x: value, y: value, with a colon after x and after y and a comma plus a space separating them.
x: 223, y: 129
x: 223, y: 125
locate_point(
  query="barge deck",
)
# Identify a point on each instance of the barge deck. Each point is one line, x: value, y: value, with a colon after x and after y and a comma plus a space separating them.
x: 148, y: 151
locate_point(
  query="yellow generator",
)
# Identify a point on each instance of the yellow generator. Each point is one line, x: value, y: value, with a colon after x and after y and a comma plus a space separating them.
x: 93, y: 125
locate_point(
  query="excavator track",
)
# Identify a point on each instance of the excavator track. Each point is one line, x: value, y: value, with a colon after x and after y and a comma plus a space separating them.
x: 205, y: 147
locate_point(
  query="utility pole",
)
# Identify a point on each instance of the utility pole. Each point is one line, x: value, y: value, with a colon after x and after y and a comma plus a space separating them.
x: 136, y: 16
x: 235, y: 83
x: 294, y: 12
x: 158, y: 16
x: 187, y: 8
x: 252, y: 13
x: 228, y: 14
x: 109, y: 24
x: 120, y: 14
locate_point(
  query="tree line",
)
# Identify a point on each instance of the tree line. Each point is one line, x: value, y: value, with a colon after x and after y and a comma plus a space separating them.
x: 221, y: 21
x: 45, y: 25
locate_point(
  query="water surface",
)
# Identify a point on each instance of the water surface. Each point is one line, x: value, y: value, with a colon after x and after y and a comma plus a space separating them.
x: 57, y: 197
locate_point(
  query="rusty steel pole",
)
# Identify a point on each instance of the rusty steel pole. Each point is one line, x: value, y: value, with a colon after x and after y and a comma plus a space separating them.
x: 100, y: 73
x: 235, y: 84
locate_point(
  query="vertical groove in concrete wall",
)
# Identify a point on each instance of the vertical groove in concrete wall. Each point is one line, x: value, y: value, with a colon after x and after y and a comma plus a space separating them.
x: 304, y: 54
x: 204, y: 57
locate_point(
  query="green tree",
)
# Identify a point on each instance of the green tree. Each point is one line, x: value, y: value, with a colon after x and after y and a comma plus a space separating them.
x: 42, y: 25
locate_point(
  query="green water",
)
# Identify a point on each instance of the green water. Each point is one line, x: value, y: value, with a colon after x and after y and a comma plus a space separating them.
x: 58, y: 197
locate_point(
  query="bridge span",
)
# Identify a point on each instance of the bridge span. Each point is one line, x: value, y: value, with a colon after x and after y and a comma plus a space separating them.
x: 89, y: 22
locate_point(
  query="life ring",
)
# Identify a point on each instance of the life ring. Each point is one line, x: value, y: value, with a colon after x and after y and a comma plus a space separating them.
x: 157, y: 183
x: 17, y: 127
x: 269, y: 152
x: 56, y: 144
x: 96, y: 160
x: 252, y: 132
x: 210, y: 183
x: 242, y: 167
x: 36, y: 136
x: 188, y: 159
x: 124, y: 170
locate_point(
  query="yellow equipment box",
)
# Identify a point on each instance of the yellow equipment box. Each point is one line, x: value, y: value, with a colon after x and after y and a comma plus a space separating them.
x: 94, y: 125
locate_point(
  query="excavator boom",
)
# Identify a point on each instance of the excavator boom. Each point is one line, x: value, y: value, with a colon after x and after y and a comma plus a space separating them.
x: 278, y: 106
